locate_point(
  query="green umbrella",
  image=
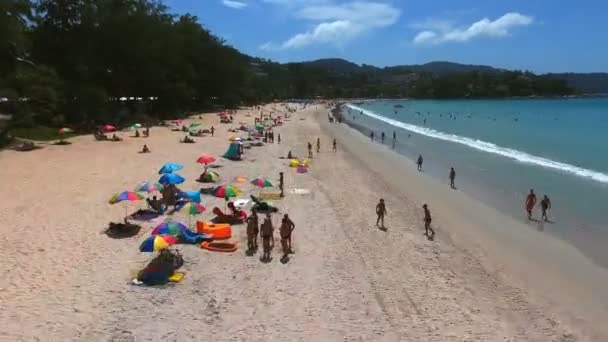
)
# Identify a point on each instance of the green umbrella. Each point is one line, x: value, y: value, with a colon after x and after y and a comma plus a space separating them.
x: 194, y: 124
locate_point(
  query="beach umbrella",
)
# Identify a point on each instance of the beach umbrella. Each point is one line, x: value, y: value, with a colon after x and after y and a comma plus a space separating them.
x: 209, y: 176
x: 240, y: 180
x: 171, y: 178
x: 205, y: 159
x: 108, y: 128
x: 157, y: 242
x: 149, y: 187
x: 192, y: 208
x: 170, y: 167
x: 65, y: 130
x: 126, y: 196
x: 195, y: 124
x: 136, y: 126
x: 262, y: 182
x: 259, y: 127
x: 226, y: 191
x: 236, y: 139
x: 194, y: 196
x: 172, y: 228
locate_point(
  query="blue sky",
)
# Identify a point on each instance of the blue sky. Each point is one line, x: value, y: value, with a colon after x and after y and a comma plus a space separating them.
x: 538, y: 35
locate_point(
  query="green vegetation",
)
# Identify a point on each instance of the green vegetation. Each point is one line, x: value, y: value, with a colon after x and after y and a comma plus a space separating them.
x: 39, y: 133
x: 82, y: 63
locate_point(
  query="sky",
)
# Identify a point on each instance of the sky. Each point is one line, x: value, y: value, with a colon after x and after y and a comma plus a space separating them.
x: 537, y: 35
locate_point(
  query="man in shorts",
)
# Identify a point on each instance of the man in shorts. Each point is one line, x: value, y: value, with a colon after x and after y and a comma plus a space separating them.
x: 530, y: 203
x: 287, y: 227
x: 252, y: 231
x: 380, y: 211
x: 545, y: 205
x: 427, y: 223
x: 266, y: 233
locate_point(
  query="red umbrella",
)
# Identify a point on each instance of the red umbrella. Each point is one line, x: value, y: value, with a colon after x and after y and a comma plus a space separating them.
x: 205, y: 159
x: 66, y: 130
x: 109, y: 128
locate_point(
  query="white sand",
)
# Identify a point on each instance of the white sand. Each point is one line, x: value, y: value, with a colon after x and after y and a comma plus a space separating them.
x: 64, y: 280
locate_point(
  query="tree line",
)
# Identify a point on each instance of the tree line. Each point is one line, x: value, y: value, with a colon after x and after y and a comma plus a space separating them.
x: 88, y: 62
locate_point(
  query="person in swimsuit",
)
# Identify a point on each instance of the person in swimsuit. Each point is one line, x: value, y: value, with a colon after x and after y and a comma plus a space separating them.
x: 371, y: 136
x: 530, y: 203
x: 380, y: 211
x: 145, y: 149
x: 545, y: 204
x: 382, y: 137
x: 318, y: 145
x: 287, y: 227
x: 427, y: 223
x: 266, y: 233
x: 309, y: 150
x: 252, y: 231
x: 452, y: 178
x: 419, y: 162
x: 335, y: 146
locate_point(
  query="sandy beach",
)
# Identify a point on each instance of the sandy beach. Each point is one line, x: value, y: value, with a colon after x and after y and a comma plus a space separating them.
x: 485, y: 277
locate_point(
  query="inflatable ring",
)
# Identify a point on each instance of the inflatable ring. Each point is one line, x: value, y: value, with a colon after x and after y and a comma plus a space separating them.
x: 226, y: 247
x: 217, y: 231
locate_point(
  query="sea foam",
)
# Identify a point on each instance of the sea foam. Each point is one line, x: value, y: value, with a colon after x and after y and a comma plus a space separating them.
x: 485, y: 146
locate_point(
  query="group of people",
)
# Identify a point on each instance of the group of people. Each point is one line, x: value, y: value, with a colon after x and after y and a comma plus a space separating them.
x: 381, y: 212
x: 334, y: 147
x: 383, y: 137
x: 545, y: 205
x: 269, y: 137
x: 266, y: 233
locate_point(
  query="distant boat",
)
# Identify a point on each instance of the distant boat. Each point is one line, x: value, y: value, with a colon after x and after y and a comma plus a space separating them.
x: 398, y: 106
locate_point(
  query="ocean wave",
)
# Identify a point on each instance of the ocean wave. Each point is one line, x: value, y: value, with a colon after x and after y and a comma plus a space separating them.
x: 485, y: 146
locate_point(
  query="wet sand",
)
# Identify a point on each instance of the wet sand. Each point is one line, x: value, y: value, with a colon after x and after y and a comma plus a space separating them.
x: 64, y: 280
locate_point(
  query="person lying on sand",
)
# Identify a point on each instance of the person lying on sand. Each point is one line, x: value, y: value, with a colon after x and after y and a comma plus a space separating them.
x: 427, y: 223
x: 287, y: 227
x: 145, y: 149
x: 187, y: 140
x: 266, y: 233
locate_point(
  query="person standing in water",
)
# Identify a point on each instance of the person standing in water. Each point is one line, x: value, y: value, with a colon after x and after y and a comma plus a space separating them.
x: 545, y: 204
x: 452, y: 178
x: 371, y: 135
x: 394, y: 139
x: 530, y: 203
x: 382, y: 137
x: 380, y: 211
x: 427, y: 223
x: 419, y: 162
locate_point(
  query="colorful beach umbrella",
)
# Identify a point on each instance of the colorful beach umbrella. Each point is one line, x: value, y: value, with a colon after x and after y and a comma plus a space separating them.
x: 170, y: 167
x: 136, y: 126
x: 108, y: 128
x: 209, y: 176
x: 226, y: 191
x: 195, y: 124
x: 157, y: 242
x: 149, y: 187
x: 126, y: 196
x: 65, y: 130
x: 172, y: 228
x: 262, y: 182
x: 193, y: 208
x: 205, y: 159
x: 171, y: 178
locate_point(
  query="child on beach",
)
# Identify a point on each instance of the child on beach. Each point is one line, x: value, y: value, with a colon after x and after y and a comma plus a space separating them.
x: 427, y: 223
x: 380, y: 211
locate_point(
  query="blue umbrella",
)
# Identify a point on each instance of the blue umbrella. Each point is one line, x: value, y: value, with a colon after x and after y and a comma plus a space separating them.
x: 171, y: 178
x: 170, y: 167
x: 194, y: 196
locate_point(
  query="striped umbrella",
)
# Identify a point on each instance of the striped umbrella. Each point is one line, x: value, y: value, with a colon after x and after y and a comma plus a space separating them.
x: 126, y: 196
x: 226, y: 191
x: 172, y: 228
x: 205, y: 159
x: 262, y: 182
x: 149, y: 187
x: 157, y: 242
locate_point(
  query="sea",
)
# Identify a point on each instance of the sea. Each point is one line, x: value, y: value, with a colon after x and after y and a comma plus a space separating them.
x: 500, y: 149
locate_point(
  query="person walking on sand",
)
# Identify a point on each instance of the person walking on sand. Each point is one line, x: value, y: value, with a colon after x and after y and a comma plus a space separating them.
x: 530, y: 203
x: 380, y: 211
x: 419, y: 162
x: 287, y: 227
x: 452, y: 178
x: 545, y: 204
x: 427, y: 223
x: 266, y: 233
x: 335, y: 146
x: 212, y: 130
x: 371, y: 135
x: 309, y: 150
x: 279, y: 138
x: 318, y: 145
x: 252, y: 231
x: 382, y: 137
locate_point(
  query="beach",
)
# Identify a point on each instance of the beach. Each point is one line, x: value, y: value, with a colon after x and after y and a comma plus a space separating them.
x: 348, y: 280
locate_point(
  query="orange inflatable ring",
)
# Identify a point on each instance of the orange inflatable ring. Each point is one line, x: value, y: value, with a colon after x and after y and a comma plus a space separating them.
x: 226, y: 247
x: 218, y: 231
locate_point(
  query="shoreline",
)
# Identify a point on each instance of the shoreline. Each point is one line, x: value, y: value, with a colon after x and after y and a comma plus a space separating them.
x: 347, y: 280
x: 508, y: 247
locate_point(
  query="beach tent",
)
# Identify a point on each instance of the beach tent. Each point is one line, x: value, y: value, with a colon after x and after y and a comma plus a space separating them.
x: 234, y: 152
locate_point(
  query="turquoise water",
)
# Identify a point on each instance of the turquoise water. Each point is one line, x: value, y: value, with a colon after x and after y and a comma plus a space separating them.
x: 502, y: 148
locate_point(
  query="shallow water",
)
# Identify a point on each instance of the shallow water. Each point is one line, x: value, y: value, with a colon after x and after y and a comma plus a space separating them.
x: 502, y: 148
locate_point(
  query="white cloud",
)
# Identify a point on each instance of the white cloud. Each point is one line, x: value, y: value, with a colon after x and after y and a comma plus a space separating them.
x: 234, y: 4
x: 336, y: 23
x: 436, y: 32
